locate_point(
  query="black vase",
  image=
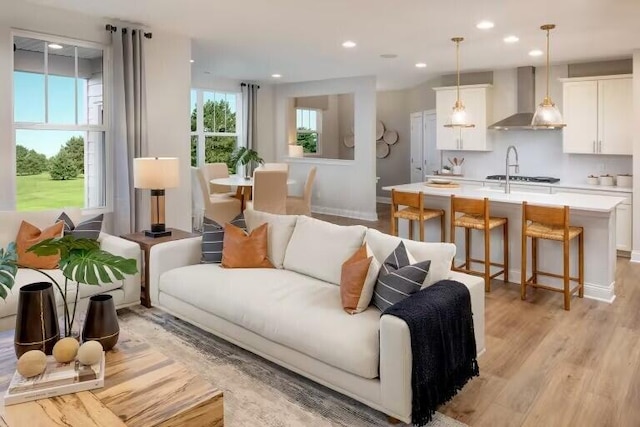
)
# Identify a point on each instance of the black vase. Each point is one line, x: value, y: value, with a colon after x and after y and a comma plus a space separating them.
x: 101, y: 322
x: 37, y: 319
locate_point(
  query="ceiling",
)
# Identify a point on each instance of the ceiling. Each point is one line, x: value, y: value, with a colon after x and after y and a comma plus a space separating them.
x: 34, y: 45
x: 301, y: 39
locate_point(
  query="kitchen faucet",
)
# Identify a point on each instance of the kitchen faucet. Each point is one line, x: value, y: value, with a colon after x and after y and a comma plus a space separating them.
x: 516, y: 166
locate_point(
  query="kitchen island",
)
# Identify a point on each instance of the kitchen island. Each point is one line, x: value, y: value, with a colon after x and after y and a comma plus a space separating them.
x: 593, y: 212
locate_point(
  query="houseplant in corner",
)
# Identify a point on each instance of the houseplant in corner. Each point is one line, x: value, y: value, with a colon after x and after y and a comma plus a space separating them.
x: 248, y: 158
x: 81, y: 261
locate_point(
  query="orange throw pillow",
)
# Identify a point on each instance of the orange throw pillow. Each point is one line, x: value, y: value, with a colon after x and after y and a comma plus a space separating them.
x: 357, y: 280
x: 29, y: 235
x: 242, y: 250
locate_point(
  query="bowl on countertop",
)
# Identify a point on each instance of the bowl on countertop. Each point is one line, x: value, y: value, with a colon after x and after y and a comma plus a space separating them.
x: 624, y: 180
x: 606, y: 181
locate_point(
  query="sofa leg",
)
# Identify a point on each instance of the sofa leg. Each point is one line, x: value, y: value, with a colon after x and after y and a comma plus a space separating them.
x: 393, y: 420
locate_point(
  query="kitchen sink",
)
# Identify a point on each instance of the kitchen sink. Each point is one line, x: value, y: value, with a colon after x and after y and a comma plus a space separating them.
x: 501, y: 190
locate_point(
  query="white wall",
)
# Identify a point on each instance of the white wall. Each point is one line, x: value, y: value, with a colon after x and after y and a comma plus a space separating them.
x: 343, y: 187
x: 635, y: 255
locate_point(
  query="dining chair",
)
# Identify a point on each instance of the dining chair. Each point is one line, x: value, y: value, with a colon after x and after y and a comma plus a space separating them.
x: 219, y: 207
x: 269, y: 191
x: 213, y: 171
x: 276, y: 166
x: 302, y: 205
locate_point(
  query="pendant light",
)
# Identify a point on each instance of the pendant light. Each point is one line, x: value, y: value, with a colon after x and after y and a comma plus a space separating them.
x: 458, y: 117
x: 547, y: 114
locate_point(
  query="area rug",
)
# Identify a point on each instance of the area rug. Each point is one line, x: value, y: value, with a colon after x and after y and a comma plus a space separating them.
x: 256, y: 392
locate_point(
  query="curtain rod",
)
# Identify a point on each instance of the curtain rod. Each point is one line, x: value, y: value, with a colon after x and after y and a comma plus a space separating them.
x: 112, y: 29
x: 247, y: 84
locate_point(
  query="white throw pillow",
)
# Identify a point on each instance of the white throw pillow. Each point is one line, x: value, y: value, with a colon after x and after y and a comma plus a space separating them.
x: 318, y: 248
x: 440, y: 254
x: 280, y: 231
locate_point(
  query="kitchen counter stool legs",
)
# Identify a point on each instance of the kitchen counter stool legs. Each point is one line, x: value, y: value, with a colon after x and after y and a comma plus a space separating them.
x: 475, y: 216
x: 414, y: 210
x: 548, y: 223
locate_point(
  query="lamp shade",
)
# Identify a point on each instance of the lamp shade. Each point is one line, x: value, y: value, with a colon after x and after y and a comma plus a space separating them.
x: 156, y: 172
x: 295, y: 151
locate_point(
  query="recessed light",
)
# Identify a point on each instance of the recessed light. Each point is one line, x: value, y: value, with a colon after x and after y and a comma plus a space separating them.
x: 191, y: 61
x: 55, y: 46
x: 485, y: 25
x: 536, y: 52
x: 511, y: 39
x: 276, y: 76
x: 349, y: 44
x: 421, y: 65
x: 389, y: 56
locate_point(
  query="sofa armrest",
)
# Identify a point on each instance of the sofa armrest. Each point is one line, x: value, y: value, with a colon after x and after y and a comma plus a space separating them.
x: 170, y: 255
x: 126, y: 249
x: 395, y: 349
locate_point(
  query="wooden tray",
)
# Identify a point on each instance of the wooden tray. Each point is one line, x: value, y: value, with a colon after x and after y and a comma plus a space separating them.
x: 434, y: 185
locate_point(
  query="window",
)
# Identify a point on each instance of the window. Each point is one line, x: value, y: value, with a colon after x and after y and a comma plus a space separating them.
x: 215, y: 126
x: 59, y: 122
x: 308, y: 125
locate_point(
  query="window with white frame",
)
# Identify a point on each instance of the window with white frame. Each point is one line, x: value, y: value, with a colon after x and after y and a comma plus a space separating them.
x: 308, y: 129
x: 60, y: 123
x: 215, y: 126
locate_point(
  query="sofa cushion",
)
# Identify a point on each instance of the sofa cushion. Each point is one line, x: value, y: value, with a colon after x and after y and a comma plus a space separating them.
x: 440, y: 254
x: 280, y: 231
x: 242, y: 250
x: 318, y: 248
x: 88, y: 229
x: 399, y: 277
x: 26, y: 276
x: 10, y: 221
x: 29, y: 235
x: 212, y: 240
x: 359, y: 275
x: 291, y: 309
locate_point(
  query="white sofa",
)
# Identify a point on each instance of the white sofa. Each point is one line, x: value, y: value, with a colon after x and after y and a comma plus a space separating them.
x: 293, y: 315
x: 125, y: 292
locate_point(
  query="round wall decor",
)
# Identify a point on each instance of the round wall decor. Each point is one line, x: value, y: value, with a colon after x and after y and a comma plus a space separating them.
x: 349, y: 141
x: 379, y: 130
x: 382, y: 150
x: 390, y: 137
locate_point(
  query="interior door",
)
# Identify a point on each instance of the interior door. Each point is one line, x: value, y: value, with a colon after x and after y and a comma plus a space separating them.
x: 431, y: 154
x: 417, y: 173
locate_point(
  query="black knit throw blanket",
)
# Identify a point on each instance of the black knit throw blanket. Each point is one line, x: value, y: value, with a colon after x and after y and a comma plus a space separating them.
x: 443, y: 344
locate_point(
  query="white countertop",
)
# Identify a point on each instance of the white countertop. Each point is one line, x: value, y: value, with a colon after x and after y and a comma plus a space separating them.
x: 612, y: 189
x: 584, y: 202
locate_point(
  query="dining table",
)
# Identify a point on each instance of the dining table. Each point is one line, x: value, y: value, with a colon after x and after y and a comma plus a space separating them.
x: 243, y: 184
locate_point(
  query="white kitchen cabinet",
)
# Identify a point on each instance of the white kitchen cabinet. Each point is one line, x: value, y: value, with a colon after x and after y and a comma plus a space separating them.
x: 598, y: 115
x: 624, y: 221
x: 477, y: 100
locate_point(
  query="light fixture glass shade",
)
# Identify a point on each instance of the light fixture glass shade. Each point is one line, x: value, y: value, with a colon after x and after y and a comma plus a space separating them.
x: 296, y: 151
x: 459, y: 117
x: 156, y: 172
x: 547, y: 115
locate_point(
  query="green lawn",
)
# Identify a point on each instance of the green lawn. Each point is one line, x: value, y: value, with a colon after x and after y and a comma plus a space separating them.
x: 40, y: 192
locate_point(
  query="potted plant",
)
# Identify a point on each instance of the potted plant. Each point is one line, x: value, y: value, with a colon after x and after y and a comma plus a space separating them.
x: 248, y: 158
x: 81, y: 261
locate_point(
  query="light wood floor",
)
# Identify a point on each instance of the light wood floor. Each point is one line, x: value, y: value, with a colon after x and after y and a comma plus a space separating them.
x: 548, y: 367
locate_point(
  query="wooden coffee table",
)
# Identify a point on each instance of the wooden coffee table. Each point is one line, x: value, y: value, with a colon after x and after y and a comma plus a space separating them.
x: 143, y: 387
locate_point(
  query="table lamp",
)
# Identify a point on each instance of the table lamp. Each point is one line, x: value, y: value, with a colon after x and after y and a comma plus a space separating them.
x: 156, y: 174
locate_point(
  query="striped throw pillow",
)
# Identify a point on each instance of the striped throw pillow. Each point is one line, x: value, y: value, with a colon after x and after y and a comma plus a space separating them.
x: 399, y: 277
x: 89, y: 229
x: 213, y: 238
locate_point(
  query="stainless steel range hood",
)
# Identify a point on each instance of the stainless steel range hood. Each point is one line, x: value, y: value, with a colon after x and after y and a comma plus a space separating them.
x: 526, y: 104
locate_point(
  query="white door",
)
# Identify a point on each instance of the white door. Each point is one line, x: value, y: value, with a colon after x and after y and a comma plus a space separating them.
x: 580, y: 105
x: 431, y: 154
x: 416, y: 161
x: 615, y: 116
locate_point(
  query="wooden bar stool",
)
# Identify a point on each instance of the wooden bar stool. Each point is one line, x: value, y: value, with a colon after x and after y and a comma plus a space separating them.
x: 549, y: 223
x: 476, y: 217
x: 414, y: 211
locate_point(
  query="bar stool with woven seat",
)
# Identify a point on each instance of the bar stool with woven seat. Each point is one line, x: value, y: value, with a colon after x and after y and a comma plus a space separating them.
x: 414, y: 211
x: 540, y: 222
x: 475, y: 216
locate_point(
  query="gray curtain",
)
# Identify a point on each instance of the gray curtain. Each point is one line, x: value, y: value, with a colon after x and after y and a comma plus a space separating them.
x: 129, y: 124
x: 250, y: 115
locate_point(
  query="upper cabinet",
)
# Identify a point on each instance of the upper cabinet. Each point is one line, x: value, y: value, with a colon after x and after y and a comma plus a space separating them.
x: 478, y: 105
x: 598, y: 114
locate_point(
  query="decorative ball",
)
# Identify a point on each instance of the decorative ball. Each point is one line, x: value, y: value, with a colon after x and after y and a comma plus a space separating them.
x: 32, y: 363
x: 90, y: 353
x: 66, y: 350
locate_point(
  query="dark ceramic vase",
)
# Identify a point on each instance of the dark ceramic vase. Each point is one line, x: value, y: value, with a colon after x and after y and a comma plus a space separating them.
x: 101, y: 322
x: 37, y: 319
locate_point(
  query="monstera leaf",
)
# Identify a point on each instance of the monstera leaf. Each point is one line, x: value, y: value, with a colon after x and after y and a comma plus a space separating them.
x: 63, y: 246
x: 8, y: 269
x: 245, y: 155
x: 94, y: 267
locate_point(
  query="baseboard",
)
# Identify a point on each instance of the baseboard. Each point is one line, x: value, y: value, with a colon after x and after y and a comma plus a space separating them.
x: 635, y: 256
x: 591, y: 290
x: 385, y: 200
x: 365, y: 216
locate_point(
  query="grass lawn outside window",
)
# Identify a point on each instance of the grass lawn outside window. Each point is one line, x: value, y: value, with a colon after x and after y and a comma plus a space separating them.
x: 40, y: 192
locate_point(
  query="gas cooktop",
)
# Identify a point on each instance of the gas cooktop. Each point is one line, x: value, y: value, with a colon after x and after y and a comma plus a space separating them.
x: 520, y: 178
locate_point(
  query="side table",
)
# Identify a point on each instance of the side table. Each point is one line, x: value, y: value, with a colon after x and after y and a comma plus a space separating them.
x: 146, y: 243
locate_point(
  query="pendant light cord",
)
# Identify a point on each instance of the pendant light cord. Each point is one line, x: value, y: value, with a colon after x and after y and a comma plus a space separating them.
x: 458, y: 69
x: 548, y: 69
